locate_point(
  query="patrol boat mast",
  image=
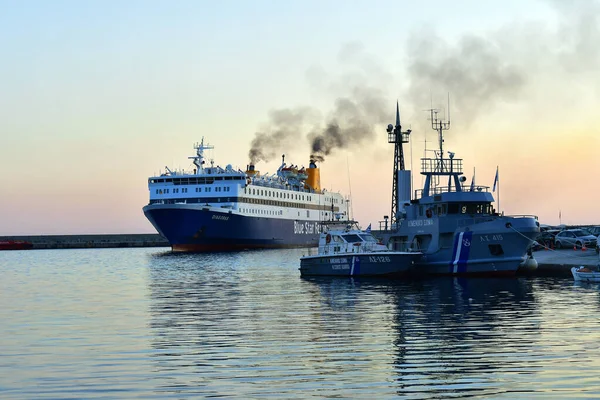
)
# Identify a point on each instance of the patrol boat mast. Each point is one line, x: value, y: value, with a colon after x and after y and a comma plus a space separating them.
x: 440, y: 166
x: 397, y: 137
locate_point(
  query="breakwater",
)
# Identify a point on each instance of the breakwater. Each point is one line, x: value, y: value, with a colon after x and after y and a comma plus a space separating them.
x: 92, y: 241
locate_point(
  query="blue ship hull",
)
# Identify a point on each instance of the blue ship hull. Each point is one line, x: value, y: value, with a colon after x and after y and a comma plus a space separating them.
x: 200, y: 229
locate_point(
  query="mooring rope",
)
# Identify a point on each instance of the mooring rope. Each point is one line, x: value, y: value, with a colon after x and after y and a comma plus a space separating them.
x: 579, y: 255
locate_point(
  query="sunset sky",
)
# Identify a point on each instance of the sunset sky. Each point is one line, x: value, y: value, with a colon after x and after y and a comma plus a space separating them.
x: 96, y: 96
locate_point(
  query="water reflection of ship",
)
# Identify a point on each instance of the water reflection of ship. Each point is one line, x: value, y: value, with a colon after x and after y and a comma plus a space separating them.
x: 448, y: 331
x: 444, y: 295
x: 214, y: 300
x: 225, y: 320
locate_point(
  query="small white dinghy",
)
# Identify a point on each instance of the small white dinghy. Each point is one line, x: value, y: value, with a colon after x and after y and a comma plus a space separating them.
x: 586, y: 274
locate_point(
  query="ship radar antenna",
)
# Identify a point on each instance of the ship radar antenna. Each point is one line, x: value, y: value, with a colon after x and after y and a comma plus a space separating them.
x: 440, y: 125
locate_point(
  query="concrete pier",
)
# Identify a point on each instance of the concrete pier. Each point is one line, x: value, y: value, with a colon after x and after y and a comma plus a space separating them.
x: 92, y: 241
x: 560, y: 262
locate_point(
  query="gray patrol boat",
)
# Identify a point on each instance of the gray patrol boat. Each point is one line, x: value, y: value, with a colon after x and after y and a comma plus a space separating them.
x: 454, y: 225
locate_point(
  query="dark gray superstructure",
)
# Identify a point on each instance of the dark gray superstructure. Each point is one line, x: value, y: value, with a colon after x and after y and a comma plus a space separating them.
x: 454, y: 225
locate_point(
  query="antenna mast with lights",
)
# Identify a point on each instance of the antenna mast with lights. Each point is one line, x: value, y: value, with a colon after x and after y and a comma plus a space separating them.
x: 439, y: 126
x: 440, y: 166
x: 397, y: 137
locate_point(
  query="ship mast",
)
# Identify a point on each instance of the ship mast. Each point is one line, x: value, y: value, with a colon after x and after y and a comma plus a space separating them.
x: 439, y: 126
x: 397, y: 137
x: 433, y: 169
x: 199, y: 158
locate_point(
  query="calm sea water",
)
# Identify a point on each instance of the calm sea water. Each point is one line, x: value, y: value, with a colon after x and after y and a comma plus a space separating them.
x: 146, y: 323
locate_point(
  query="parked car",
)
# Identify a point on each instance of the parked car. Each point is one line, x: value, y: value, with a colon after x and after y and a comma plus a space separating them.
x: 575, y: 238
x: 546, y: 239
x: 594, y: 230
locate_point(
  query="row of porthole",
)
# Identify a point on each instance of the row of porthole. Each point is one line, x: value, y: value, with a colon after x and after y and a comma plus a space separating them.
x: 257, y: 211
x: 277, y: 195
x: 271, y: 212
x: 294, y: 196
x: 166, y: 191
x: 198, y: 190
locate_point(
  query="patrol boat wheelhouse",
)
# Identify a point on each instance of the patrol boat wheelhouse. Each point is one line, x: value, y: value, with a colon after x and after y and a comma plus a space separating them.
x: 454, y: 226
x: 221, y: 209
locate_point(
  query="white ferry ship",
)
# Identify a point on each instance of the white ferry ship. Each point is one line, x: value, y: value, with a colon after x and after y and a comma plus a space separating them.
x: 224, y: 209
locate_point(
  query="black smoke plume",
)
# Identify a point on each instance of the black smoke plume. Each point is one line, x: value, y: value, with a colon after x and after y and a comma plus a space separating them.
x: 351, y: 122
x: 285, y: 127
x: 476, y: 72
x: 513, y: 64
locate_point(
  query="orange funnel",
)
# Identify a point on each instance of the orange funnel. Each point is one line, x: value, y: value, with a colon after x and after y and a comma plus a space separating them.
x: 314, y: 177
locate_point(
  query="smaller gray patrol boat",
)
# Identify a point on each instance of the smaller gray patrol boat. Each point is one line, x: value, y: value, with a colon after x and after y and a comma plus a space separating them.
x: 346, y: 250
x: 454, y: 225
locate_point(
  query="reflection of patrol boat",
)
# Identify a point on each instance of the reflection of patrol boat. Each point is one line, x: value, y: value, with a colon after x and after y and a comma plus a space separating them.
x: 219, y: 209
x: 346, y: 250
x: 454, y: 225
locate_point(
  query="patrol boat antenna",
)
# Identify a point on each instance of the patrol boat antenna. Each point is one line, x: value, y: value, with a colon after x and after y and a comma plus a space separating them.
x: 433, y: 169
x: 397, y: 137
x: 439, y: 126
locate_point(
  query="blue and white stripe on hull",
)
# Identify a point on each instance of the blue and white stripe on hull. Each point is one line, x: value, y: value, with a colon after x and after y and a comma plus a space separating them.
x: 471, y: 255
x: 460, y: 252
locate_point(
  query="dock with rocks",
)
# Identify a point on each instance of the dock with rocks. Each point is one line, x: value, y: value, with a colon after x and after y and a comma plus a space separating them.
x: 92, y: 241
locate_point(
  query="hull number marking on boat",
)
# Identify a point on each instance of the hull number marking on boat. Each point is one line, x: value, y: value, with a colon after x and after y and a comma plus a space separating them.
x: 340, y: 266
x: 338, y: 260
x: 222, y: 217
x: 306, y: 228
x: 379, y: 259
x: 339, y: 263
x: 486, y: 238
x: 420, y: 222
